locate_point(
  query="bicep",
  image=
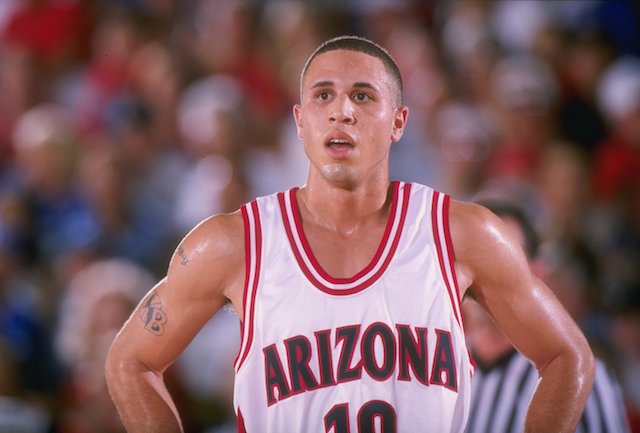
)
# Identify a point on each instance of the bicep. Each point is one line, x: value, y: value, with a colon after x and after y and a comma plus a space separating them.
x: 524, y: 308
x: 204, y: 269
x: 163, y: 324
x: 530, y: 315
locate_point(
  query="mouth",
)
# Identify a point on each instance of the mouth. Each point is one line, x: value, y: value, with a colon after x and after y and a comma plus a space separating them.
x: 339, y: 143
x: 339, y: 148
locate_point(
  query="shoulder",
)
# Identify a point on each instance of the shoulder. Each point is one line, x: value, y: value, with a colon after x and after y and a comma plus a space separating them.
x: 482, y: 243
x: 217, y: 235
x: 211, y: 256
x: 473, y: 225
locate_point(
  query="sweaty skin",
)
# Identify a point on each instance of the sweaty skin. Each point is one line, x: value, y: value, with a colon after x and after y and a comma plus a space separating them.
x: 347, y: 120
x: 492, y: 268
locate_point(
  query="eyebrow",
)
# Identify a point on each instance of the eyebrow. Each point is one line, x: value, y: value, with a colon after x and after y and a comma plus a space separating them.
x: 358, y: 84
x: 322, y: 84
x: 364, y: 85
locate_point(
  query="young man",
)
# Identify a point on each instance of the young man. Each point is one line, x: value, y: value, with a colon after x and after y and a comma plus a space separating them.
x: 349, y: 287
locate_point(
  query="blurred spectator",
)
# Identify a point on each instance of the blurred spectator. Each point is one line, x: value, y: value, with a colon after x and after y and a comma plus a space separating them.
x: 30, y: 372
x: 52, y: 33
x: 279, y: 164
x: 615, y: 226
x: 88, y: 91
x: 156, y: 83
x: 246, y: 57
x: 469, y: 48
x: 130, y: 198
x: 516, y: 24
x: 129, y: 177
x: 416, y: 157
x: 617, y: 165
x: 525, y: 92
x: 63, y: 223
x: 560, y: 181
x: 209, y: 119
x: 96, y: 302
x: 580, y: 120
x: 465, y: 137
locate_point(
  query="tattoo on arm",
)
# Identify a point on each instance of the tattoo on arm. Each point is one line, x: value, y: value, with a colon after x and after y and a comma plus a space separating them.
x: 183, y: 256
x: 152, y: 315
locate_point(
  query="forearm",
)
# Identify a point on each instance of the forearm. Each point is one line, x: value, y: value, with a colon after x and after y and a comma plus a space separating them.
x: 559, y: 399
x: 142, y: 399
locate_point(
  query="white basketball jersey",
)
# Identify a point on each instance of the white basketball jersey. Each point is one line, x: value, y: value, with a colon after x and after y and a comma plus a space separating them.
x: 383, y: 351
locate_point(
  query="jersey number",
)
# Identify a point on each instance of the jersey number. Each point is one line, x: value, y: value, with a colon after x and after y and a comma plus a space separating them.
x: 338, y: 418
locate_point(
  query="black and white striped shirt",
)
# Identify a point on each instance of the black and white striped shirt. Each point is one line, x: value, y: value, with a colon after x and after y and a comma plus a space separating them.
x: 501, y: 394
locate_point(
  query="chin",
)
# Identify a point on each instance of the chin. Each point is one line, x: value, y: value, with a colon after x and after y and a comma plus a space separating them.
x: 338, y: 173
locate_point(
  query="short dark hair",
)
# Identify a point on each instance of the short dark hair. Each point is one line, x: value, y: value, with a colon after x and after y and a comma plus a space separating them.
x: 362, y: 45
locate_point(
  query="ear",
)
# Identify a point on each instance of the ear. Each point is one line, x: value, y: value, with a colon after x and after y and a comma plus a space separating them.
x: 297, y: 116
x: 399, y: 123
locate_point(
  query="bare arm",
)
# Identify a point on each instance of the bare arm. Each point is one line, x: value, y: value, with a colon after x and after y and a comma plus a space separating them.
x: 494, y: 270
x: 205, y: 272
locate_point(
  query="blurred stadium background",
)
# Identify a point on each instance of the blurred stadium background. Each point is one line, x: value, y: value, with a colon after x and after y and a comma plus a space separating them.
x: 125, y: 122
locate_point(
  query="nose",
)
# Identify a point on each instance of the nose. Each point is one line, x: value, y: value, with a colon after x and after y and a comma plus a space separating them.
x: 342, y: 110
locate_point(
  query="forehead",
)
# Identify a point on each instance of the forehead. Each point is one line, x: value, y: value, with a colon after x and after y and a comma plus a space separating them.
x: 346, y: 66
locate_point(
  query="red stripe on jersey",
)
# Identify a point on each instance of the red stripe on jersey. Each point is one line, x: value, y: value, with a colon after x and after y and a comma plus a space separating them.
x: 240, y: 423
x: 440, y: 222
x: 292, y: 221
x: 253, y: 261
x: 374, y: 260
x: 451, y: 256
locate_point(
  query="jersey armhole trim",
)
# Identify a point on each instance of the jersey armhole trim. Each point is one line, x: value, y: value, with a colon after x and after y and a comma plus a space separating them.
x: 240, y: 422
x: 444, y: 247
x: 253, y: 258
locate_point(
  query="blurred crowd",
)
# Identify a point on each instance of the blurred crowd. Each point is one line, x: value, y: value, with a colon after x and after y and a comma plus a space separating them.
x: 123, y: 123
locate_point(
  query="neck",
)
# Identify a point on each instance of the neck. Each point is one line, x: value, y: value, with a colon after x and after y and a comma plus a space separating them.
x: 341, y: 208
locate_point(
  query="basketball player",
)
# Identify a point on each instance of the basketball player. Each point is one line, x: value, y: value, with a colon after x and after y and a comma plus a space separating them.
x: 349, y: 287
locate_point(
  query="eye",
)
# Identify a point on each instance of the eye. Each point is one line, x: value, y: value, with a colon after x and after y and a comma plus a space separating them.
x: 361, y: 97
x: 323, y: 96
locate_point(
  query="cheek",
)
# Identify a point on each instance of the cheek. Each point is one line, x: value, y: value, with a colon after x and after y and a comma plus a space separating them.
x: 383, y: 123
x: 380, y: 133
x: 307, y: 123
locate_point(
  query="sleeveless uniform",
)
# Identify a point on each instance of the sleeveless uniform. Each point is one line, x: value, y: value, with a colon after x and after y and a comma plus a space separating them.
x: 382, y: 351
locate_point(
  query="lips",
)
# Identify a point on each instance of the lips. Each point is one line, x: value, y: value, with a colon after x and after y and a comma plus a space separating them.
x: 339, y: 138
x: 339, y: 145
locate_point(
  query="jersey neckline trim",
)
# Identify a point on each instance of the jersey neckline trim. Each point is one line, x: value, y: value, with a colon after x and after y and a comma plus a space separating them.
x: 370, y: 273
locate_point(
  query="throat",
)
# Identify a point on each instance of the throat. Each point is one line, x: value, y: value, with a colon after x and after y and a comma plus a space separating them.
x: 343, y: 253
x: 345, y: 233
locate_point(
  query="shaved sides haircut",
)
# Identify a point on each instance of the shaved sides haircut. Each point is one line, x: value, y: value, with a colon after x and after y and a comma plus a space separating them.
x: 361, y: 45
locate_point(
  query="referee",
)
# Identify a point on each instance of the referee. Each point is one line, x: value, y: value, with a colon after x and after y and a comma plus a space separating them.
x: 504, y: 380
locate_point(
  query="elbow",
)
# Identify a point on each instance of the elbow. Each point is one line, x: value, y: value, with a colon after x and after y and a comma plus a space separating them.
x: 119, y: 366
x: 576, y: 365
x: 586, y: 367
x: 113, y: 366
x: 123, y: 368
